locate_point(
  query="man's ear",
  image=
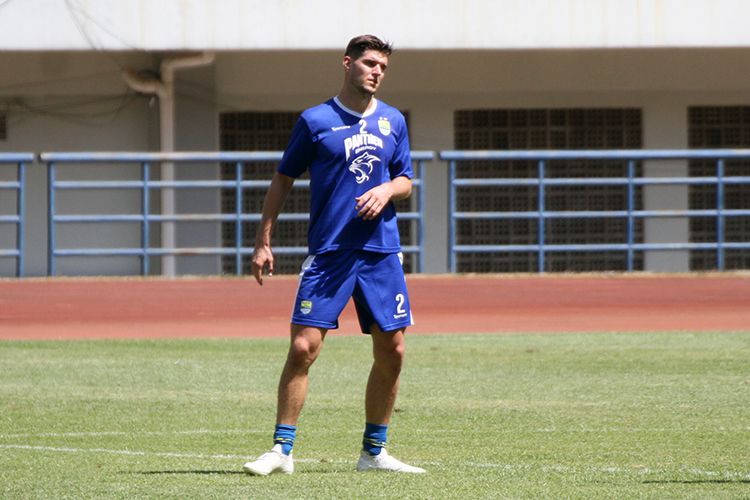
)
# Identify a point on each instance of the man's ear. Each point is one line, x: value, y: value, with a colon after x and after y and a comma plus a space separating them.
x: 347, y: 63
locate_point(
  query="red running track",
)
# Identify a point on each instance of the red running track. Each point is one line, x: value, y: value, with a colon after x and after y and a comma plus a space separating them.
x: 65, y: 308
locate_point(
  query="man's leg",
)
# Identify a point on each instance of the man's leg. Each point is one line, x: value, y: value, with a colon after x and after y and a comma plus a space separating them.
x: 304, y: 347
x: 382, y: 387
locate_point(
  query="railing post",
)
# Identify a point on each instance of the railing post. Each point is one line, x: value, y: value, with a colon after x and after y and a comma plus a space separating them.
x: 238, y: 219
x: 51, y: 243
x: 541, y: 223
x: 146, y: 209
x: 631, y: 205
x: 21, y: 211
x: 451, y: 216
x: 720, y: 230
x: 420, y: 220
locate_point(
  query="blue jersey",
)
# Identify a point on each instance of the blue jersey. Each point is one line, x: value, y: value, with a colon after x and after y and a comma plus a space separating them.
x: 347, y: 154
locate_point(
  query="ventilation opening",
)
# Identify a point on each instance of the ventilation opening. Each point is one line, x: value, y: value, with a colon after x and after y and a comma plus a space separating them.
x: 259, y: 131
x: 525, y: 129
x: 715, y: 127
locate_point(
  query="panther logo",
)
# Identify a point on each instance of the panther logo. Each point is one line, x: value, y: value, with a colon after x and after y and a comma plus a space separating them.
x: 362, y: 166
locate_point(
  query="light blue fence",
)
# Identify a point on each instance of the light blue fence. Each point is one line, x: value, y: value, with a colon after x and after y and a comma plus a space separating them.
x: 18, y: 218
x: 542, y: 215
x: 145, y: 218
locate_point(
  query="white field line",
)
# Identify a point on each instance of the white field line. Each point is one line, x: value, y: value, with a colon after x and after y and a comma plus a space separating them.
x: 639, y: 429
x: 133, y: 453
x: 508, y: 467
x: 117, y: 452
x: 132, y: 433
x: 545, y: 430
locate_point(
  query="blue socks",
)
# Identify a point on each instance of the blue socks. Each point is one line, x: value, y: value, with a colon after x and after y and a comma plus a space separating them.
x: 374, y: 438
x: 284, y: 435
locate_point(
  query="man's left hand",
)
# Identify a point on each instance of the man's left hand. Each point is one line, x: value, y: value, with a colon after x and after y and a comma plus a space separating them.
x: 371, y: 204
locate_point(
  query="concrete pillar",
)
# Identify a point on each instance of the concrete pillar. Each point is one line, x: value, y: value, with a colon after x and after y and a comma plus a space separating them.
x: 197, y: 129
x: 665, y: 127
x: 432, y: 129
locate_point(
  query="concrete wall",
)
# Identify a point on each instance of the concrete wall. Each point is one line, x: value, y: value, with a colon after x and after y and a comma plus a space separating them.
x: 75, y: 101
x: 197, y: 129
x: 432, y: 85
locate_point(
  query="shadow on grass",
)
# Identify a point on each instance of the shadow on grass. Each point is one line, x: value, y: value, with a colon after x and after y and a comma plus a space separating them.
x: 217, y: 472
x: 203, y: 472
x: 700, y: 481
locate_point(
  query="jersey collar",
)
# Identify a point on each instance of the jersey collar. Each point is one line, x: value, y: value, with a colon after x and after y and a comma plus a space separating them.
x: 368, y: 112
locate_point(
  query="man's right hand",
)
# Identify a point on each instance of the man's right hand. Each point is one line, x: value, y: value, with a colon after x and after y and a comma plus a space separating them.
x: 277, y: 193
x: 262, y: 258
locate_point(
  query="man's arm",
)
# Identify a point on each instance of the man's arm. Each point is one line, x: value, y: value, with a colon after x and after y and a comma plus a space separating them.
x: 372, y: 203
x: 275, y: 198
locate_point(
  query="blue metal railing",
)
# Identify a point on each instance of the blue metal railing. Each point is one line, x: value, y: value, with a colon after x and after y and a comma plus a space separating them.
x: 541, y: 214
x: 19, y: 160
x: 145, y: 185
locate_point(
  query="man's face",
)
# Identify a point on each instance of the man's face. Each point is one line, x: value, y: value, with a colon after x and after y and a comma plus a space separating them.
x: 367, y: 72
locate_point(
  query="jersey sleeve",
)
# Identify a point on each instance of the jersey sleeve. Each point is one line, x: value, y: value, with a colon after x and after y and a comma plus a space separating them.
x: 298, y: 154
x: 401, y: 162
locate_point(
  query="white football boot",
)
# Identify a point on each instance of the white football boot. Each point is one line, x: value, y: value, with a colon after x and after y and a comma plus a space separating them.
x: 270, y: 463
x: 385, y: 462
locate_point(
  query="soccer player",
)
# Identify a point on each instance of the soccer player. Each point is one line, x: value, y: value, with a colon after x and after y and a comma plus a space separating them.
x: 356, y: 149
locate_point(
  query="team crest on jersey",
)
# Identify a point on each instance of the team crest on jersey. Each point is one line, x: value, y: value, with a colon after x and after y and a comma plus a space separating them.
x: 362, y: 166
x: 305, y: 306
x: 384, y: 125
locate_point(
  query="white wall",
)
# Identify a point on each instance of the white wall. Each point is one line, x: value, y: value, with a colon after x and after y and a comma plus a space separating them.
x: 323, y: 24
x: 130, y: 130
x: 74, y: 102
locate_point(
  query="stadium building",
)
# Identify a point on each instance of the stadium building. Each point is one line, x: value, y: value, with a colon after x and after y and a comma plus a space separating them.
x: 232, y: 75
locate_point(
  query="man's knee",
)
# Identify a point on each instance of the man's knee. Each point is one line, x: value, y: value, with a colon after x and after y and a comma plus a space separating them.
x: 305, y: 347
x: 389, y: 350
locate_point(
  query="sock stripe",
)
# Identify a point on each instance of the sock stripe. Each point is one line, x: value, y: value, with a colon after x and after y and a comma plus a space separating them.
x: 374, y: 438
x: 284, y: 435
x: 374, y: 441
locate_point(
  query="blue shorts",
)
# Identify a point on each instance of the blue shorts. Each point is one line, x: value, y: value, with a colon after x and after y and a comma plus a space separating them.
x: 374, y: 280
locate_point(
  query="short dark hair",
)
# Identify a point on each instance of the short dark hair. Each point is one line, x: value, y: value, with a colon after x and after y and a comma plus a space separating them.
x: 359, y: 44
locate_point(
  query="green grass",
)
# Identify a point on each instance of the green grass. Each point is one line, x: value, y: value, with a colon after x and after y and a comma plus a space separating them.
x: 528, y: 416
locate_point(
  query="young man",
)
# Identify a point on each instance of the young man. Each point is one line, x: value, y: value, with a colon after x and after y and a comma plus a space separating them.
x: 356, y: 149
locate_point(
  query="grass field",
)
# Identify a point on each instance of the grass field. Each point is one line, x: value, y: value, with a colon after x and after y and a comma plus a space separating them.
x: 528, y: 416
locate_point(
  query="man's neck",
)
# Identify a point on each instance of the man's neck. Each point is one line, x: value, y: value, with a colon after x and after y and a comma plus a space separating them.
x: 356, y: 102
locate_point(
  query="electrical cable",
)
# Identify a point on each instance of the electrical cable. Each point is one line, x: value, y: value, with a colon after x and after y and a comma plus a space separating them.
x: 87, y: 118
x: 75, y: 9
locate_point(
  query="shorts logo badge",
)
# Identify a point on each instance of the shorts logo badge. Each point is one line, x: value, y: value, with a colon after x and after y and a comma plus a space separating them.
x: 384, y: 125
x: 305, y: 306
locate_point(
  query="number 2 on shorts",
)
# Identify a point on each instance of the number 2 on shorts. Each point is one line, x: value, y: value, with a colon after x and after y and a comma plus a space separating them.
x: 400, y: 300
